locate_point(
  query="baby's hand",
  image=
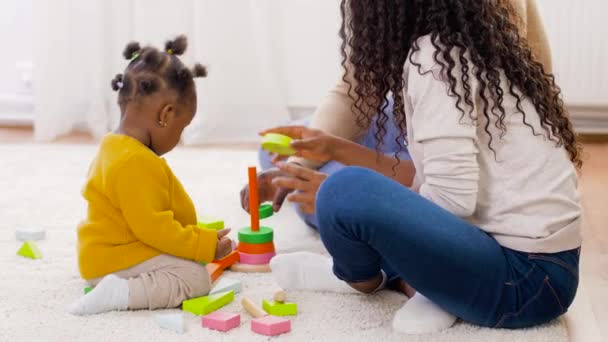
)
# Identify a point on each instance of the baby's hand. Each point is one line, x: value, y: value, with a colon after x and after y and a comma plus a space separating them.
x: 224, y: 244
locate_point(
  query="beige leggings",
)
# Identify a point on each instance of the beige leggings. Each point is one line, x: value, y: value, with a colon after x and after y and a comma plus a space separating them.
x: 163, y: 282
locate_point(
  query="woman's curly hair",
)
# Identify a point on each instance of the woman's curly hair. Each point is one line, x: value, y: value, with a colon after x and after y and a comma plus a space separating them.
x: 378, y: 35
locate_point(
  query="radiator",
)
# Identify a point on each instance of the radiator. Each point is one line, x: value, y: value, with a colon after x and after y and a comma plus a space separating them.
x: 578, y: 33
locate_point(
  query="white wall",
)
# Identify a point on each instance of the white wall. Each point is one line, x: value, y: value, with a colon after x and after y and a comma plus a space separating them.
x: 307, y: 40
x: 16, y: 40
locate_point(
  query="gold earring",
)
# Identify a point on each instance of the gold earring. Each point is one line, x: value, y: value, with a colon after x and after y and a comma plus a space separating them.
x: 162, y: 124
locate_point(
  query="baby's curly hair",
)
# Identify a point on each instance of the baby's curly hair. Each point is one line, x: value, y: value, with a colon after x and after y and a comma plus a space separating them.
x: 378, y: 35
x: 151, y: 70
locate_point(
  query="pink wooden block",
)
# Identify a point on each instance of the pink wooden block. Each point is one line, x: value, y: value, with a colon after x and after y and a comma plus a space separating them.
x: 256, y: 259
x: 270, y: 325
x: 222, y: 321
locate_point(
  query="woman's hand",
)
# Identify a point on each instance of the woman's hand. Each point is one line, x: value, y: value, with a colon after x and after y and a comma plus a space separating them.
x: 311, y: 144
x: 305, y: 181
x: 267, y: 191
x: 224, y: 244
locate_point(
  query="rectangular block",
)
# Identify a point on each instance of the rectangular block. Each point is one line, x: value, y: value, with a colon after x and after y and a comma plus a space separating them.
x: 222, y: 321
x: 280, y: 309
x: 227, y: 284
x: 204, y: 305
x: 217, y: 267
x: 270, y: 325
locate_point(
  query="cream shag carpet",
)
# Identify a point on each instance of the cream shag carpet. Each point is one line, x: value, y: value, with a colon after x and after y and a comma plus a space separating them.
x: 40, y: 187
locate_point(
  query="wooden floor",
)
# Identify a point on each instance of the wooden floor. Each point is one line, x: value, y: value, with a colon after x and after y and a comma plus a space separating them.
x: 588, y: 318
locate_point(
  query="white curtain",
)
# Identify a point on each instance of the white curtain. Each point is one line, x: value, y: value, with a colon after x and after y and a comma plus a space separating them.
x: 78, y: 45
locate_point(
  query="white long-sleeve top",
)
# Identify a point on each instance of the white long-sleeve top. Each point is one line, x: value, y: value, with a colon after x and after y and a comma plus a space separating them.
x: 525, y: 195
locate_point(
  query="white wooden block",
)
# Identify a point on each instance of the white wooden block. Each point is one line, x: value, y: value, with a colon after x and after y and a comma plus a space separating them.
x: 173, y: 321
x: 30, y: 234
x: 226, y: 284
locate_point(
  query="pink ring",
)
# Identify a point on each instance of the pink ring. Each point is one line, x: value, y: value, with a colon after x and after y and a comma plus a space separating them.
x: 256, y: 259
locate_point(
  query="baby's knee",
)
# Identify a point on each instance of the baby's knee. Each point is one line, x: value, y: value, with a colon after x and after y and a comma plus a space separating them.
x: 196, y: 280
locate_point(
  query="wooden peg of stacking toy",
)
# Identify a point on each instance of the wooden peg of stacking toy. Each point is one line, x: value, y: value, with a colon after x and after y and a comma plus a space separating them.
x: 264, y: 324
x: 256, y: 246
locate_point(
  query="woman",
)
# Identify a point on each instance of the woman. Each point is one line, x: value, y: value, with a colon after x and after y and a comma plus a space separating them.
x: 485, y: 219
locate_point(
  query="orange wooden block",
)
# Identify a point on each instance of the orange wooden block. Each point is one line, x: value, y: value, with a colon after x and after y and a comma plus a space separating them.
x: 217, y: 267
x: 251, y: 248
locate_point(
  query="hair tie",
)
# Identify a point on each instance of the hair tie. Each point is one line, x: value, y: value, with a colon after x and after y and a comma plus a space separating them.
x: 135, y: 55
x: 170, y: 51
x: 120, y: 84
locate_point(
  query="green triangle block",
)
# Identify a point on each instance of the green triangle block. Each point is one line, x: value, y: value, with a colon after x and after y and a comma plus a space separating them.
x: 88, y: 289
x: 204, y: 305
x: 30, y: 250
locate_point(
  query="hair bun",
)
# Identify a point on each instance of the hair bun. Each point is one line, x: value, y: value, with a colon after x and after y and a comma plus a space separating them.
x: 131, y: 50
x: 177, y: 46
x: 199, y: 70
x: 117, y: 82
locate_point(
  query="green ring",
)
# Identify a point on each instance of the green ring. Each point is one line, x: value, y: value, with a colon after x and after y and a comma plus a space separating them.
x: 278, y: 143
x: 265, y: 234
x: 266, y: 211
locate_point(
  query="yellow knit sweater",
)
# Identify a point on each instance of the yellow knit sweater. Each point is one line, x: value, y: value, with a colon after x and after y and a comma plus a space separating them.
x: 137, y: 209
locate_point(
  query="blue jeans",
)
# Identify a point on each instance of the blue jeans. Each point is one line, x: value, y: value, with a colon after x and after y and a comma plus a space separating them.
x: 369, y: 222
x: 389, y: 146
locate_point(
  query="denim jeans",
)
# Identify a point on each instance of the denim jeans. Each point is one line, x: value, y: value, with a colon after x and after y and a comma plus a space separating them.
x: 369, y: 222
x: 389, y: 146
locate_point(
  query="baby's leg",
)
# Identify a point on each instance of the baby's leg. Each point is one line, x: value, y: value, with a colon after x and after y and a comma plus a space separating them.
x: 159, y: 283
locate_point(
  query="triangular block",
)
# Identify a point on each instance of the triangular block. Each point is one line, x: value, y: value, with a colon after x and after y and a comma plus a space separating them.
x: 174, y: 321
x: 225, y: 285
x: 30, y: 250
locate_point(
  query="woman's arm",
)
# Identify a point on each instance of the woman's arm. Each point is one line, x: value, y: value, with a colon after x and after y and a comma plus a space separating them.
x: 353, y: 154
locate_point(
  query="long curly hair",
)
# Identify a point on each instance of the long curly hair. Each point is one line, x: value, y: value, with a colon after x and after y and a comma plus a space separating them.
x: 378, y: 35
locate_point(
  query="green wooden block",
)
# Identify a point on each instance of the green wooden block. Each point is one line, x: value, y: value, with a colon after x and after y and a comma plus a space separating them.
x: 30, y: 250
x: 264, y: 235
x: 280, y: 309
x: 88, y: 289
x: 266, y: 211
x: 205, y: 305
x: 210, y: 223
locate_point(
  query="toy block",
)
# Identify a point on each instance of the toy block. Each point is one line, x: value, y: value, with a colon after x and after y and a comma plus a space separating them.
x: 259, y: 248
x: 251, y: 308
x: 227, y: 284
x: 256, y: 259
x: 30, y: 250
x: 222, y: 321
x: 279, y: 296
x: 204, y: 305
x: 30, y: 234
x: 280, y: 309
x: 238, y: 267
x: 263, y: 235
x: 270, y: 325
x: 88, y: 289
x: 278, y: 143
x: 217, y: 267
x: 174, y: 322
x: 266, y: 211
x: 210, y: 223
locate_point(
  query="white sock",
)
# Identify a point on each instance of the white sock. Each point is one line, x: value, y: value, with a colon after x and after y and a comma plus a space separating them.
x: 307, y: 271
x: 112, y: 293
x: 421, y: 316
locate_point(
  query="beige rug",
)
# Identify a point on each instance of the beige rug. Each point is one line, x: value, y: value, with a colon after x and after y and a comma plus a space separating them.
x: 40, y: 187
